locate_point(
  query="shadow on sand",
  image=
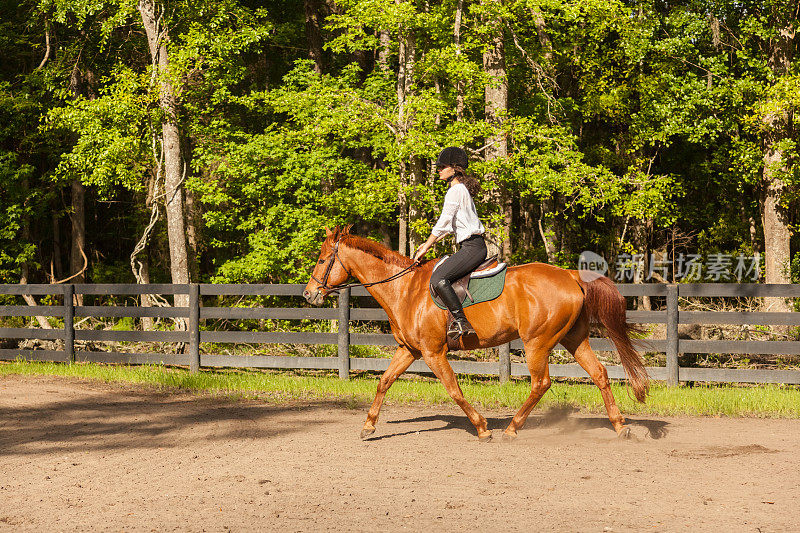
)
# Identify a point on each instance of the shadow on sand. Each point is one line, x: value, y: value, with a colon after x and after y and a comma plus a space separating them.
x: 563, y: 419
x: 118, y: 419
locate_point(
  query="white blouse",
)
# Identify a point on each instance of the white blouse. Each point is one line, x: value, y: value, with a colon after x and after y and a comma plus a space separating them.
x: 458, y: 215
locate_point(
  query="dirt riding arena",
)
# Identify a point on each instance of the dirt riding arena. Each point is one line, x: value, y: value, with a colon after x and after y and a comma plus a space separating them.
x: 79, y: 456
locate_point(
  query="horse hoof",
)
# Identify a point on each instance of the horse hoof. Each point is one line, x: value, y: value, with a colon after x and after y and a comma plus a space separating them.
x: 485, y: 438
x: 365, y: 433
x: 624, y: 433
x: 509, y: 437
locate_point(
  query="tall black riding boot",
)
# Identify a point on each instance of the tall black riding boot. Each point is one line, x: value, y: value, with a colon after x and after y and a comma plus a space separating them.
x: 460, y: 325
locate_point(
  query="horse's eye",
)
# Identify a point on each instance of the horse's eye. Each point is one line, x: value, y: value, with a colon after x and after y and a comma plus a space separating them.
x: 321, y: 261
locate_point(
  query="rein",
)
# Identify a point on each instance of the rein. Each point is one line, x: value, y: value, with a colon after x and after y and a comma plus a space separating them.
x: 336, y: 288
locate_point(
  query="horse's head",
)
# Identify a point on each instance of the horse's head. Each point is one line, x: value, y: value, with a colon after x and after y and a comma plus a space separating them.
x: 329, y: 270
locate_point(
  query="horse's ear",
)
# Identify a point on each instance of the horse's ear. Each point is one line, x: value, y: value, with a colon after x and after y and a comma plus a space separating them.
x: 328, y: 232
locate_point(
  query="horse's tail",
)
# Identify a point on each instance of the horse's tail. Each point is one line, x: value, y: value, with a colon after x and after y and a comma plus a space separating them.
x: 605, y: 305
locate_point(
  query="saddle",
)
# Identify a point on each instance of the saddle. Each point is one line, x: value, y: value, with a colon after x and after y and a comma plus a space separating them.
x: 489, y: 279
x: 461, y: 286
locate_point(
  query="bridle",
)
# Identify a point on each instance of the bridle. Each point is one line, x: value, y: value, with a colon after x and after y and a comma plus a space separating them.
x: 323, y: 283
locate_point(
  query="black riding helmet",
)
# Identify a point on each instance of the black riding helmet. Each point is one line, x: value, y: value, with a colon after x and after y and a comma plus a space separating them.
x: 452, y: 156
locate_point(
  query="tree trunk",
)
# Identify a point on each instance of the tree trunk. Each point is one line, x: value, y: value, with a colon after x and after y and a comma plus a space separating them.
x: 415, y: 213
x: 457, y: 41
x: 314, y: 33
x: 552, y: 227
x: 547, y: 228
x: 144, y: 260
x: 24, y: 269
x: 383, y: 51
x: 140, y: 257
x: 508, y: 223
x: 78, y: 220
x: 544, y: 39
x: 365, y: 61
x: 775, y: 216
x: 386, y: 236
x: 404, y: 81
x: 546, y: 75
x: 775, y: 219
x: 78, y: 207
x: 402, y: 202
x: 415, y: 170
x: 640, y: 231
x: 193, y: 229
x: 527, y: 223
x: 496, y: 104
x: 173, y: 162
x: 57, y: 271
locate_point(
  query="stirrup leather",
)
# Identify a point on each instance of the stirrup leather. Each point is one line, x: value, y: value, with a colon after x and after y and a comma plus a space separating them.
x: 459, y: 327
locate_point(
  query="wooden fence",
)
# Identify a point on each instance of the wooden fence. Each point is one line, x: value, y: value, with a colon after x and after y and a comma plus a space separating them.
x: 672, y: 345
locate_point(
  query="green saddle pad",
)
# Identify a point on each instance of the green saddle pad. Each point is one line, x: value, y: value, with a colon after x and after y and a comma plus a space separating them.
x: 482, y: 289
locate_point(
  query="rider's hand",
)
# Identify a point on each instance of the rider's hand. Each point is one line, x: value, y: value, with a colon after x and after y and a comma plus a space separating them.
x: 419, y: 254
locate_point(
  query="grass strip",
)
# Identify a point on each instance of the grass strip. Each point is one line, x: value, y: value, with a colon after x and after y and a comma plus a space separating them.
x: 770, y: 401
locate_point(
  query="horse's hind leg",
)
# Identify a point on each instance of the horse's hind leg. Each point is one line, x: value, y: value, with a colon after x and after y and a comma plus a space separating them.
x: 577, y: 342
x: 537, y: 357
x: 400, y: 362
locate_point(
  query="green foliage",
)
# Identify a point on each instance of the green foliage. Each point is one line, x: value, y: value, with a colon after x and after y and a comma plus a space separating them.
x: 114, y: 135
x: 649, y: 115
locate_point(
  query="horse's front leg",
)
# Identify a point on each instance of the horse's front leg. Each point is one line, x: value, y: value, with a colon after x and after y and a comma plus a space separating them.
x: 441, y: 367
x: 400, y: 362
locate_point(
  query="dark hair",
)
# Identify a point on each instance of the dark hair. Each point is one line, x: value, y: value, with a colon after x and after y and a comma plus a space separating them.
x: 470, y: 181
x: 452, y: 156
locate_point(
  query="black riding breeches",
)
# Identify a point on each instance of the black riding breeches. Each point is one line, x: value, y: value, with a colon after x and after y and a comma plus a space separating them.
x: 471, y: 254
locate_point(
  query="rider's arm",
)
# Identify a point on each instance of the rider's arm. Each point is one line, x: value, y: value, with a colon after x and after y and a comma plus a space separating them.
x: 446, y: 222
x: 425, y: 246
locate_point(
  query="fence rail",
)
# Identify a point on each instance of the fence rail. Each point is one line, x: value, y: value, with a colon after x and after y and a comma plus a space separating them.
x: 345, y: 315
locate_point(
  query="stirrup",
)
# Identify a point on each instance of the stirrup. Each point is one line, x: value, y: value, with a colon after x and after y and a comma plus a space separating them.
x: 459, y: 327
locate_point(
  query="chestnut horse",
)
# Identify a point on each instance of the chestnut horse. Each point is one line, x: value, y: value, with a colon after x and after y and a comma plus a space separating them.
x: 541, y: 304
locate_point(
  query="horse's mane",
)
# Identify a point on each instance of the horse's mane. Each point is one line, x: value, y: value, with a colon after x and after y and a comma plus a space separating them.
x: 377, y: 250
x: 373, y: 248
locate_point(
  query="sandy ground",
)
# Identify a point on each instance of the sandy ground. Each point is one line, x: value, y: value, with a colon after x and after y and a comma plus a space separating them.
x: 78, y: 456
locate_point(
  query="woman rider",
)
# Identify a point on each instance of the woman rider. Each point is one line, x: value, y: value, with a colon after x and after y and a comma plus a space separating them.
x: 459, y: 217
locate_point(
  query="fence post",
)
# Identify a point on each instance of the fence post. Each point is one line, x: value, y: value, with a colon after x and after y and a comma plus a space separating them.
x: 69, y: 322
x: 672, y: 335
x: 194, y: 327
x: 344, y: 334
x: 505, y: 362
